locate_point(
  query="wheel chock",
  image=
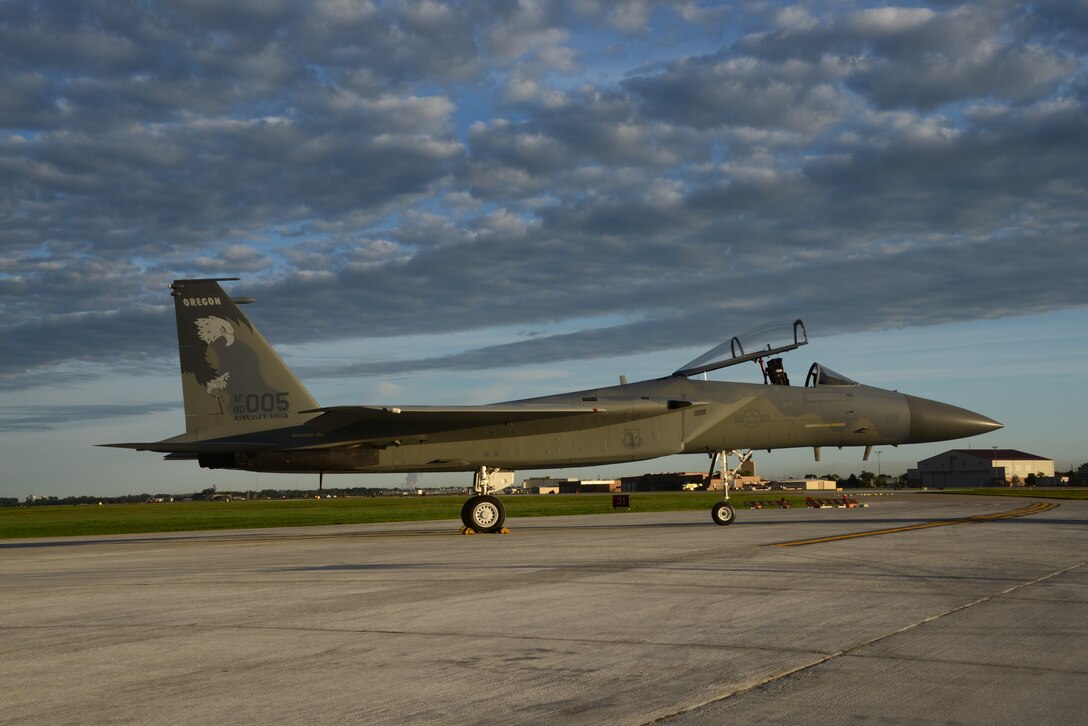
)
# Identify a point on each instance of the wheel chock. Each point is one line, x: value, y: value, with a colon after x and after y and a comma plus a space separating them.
x: 504, y: 530
x: 467, y: 530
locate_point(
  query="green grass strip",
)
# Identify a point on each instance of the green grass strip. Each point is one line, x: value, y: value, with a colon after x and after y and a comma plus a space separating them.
x: 69, y: 520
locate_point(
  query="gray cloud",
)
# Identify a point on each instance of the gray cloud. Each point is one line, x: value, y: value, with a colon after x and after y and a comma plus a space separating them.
x: 731, y: 90
x: 898, y: 57
x: 43, y: 418
x: 884, y: 289
x: 369, y: 172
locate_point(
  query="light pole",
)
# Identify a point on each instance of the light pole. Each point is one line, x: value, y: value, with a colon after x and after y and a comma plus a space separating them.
x: 879, y: 473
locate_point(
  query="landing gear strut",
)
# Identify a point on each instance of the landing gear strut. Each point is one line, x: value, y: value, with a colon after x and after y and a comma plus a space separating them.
x: 722, y: 512
x: 483, y: 512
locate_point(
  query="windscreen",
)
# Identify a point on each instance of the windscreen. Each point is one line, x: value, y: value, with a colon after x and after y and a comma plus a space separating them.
x: 819, y: 375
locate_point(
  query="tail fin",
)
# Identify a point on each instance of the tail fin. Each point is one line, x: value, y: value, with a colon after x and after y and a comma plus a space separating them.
x: 232, y: 381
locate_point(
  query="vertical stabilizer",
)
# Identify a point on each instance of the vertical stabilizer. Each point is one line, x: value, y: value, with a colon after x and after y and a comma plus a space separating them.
x: 232, y: 381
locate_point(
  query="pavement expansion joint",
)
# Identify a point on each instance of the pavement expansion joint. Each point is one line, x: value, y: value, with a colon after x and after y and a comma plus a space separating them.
x: 981, y: 664
x: 852, y: 650
x: 978, y: 518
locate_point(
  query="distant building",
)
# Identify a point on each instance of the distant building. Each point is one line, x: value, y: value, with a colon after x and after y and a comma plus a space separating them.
x: 980, y: 468
x: 671, y: 482
x: 548, y: 485
x: 806, y: 484
x: 746, y: 477
x: 568, y: 485
x: 599, y: 485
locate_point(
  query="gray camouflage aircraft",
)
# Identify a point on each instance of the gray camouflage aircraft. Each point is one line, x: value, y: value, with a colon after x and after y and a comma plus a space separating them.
x: 244, y: 409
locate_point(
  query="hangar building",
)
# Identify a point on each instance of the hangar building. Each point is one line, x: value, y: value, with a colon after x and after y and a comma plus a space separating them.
x: 979, y: 468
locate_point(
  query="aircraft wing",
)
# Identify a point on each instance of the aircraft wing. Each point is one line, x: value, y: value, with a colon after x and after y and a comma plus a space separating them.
x: 348, y: 426
x: 192, y: 447
x: 355, y: 425
x: 439, y: 417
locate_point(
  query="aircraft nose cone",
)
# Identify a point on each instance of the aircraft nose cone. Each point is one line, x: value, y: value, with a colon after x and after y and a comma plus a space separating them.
x: 936, y: 421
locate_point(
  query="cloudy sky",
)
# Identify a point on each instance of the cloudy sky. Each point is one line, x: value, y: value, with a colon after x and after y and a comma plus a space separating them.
x: 459, y: 203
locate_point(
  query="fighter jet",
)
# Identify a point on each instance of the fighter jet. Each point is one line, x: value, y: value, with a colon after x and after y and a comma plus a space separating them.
x: 245, y: 409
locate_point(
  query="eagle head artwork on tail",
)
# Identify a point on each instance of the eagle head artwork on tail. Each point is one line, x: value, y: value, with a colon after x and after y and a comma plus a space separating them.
x: 209, y: 330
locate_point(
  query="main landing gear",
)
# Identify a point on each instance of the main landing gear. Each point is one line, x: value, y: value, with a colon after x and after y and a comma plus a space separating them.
x: 483, y: 512
x: 722, y: 512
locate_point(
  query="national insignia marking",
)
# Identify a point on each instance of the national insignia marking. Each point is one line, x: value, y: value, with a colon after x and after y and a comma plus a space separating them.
x: 751, y: 418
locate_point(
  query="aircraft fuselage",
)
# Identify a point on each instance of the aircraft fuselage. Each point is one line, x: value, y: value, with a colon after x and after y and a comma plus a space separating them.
x: 708, y: 416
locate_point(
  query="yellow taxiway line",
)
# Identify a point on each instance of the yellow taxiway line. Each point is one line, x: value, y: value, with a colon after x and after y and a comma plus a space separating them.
x: 1021, y: 512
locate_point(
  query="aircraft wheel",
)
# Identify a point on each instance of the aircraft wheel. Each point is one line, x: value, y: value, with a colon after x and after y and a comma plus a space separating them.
x: 483, y: 514
x: 722, y: 513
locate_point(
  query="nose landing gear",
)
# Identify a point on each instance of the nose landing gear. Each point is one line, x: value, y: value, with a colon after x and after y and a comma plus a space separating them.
x: 722, y: 512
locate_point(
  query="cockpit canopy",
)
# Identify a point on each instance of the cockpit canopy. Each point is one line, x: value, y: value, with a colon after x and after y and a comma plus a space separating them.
x: 768, y: 339
x: 760, y: 343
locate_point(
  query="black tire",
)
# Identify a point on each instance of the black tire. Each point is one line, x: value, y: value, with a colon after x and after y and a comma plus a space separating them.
x: 483, y: 514
x: 722, y: 513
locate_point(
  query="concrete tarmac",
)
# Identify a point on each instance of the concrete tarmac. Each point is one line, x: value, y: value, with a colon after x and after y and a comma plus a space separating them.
x: 619, y: 618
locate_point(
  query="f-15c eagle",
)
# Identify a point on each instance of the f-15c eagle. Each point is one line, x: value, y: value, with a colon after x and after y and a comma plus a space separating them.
x: 245, y: 409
